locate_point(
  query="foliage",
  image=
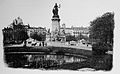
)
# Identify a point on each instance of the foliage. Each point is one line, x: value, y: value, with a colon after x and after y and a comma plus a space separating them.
x: 38, y: 36
x: 20, y: 35
x: 102, y: 28
x: 80, y: 36
x: 70, y: 38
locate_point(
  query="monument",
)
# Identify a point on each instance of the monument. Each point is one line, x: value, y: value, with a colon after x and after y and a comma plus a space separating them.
x: 55, y: 22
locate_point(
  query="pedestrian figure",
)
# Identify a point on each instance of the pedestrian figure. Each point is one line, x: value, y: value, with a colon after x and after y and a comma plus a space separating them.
x: 34, y: 44
x: 40, y: 44
x: 43, y: 43
x: 87, y: 45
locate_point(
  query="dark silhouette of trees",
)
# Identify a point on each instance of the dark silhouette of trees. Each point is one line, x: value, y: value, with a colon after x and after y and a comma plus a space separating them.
x: 70, y: 38
x: 20, y: 35
x: 41, y: 36
x: 101, y: 31
x: 33, y: 35
x: 102, y: 28
x: 16, y: 33
x: 80, y: 36
x: 38, y: 36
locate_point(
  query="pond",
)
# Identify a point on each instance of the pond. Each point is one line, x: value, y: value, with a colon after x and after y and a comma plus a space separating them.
x: 40, y: 61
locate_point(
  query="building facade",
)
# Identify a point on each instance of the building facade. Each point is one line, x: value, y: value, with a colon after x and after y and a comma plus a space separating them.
x: 75, y: 30
x: 17, y: 32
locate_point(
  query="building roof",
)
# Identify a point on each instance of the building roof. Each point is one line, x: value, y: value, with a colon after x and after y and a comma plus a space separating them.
x: 77, y: 28
x: 65, y: 28
x: 80, y: 28
x: 36, y: 28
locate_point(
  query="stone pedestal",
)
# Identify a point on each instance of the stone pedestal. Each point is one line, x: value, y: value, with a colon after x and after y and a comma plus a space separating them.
x: 55, y: 26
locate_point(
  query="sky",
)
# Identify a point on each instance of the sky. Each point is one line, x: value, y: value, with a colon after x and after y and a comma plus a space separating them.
x: 39, y: 12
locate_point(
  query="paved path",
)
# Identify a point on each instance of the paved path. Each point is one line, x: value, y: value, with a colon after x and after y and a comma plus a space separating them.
x: 79, y: 46
x: 59, y: 44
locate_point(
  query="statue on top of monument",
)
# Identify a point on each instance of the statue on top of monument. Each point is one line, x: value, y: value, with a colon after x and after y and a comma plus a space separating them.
x: 55, y: 10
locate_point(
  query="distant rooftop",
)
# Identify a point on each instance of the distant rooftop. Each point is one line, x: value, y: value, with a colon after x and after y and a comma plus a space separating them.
x: 75, y: 28
x: 37, y: 28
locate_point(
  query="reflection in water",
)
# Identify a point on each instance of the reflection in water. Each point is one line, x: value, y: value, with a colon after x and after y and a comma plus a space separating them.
x: 61, y: 59
x: 39, y: 61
